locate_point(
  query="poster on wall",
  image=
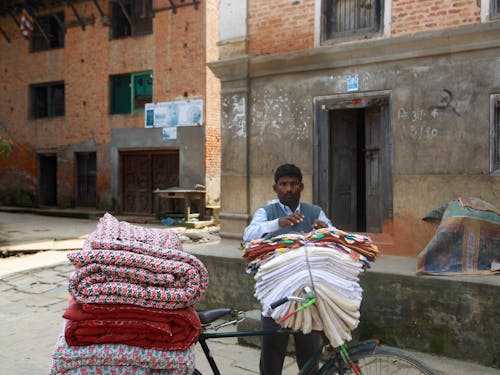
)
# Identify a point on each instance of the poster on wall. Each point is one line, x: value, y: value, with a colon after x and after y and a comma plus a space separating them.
x: 177, y: 113
x: 169, y: 132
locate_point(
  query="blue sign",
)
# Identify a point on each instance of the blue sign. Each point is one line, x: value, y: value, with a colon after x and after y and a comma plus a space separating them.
x: 353, y: 83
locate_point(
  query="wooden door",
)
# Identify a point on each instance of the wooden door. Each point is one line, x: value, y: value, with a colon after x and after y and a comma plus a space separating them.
x: 47, y: 180
x: 353, y: 162
x: 143, y: 172
x: 373, y: 160
x: 344, y: 168
x: 166, y: 175
x: 86, y: 179
x: 136, y: 183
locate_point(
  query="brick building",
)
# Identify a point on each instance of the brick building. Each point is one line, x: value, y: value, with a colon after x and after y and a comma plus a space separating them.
x: 74, y: 95
x: 390, y: 107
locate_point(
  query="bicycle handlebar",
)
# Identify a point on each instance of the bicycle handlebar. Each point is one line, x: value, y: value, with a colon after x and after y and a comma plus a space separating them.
x: 279, y: 302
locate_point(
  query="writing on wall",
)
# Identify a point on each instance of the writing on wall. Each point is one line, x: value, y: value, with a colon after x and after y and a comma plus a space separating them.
x: 418, y: 122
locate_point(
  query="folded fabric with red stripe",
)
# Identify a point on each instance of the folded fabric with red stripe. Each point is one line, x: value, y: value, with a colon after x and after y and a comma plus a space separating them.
x: 131, y: 325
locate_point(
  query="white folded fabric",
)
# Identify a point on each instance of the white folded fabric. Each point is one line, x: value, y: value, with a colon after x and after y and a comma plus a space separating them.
x: 331, y: 273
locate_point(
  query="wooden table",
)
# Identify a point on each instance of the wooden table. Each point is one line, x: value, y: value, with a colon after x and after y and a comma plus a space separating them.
x: 187, y: 196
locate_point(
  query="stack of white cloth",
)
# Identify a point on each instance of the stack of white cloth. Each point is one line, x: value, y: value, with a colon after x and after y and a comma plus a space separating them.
x: 331, y: 273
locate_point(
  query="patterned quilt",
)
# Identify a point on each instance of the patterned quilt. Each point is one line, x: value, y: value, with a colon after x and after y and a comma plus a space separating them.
x: 467, y: 240
x: 127, y: 264
x: 119, y: 359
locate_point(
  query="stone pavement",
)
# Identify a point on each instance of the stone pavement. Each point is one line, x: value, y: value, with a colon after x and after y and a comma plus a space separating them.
x: 31, y: 307
x: 33, y: 290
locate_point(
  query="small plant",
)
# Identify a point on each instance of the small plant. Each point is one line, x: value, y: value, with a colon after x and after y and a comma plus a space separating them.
x: 5, y: 149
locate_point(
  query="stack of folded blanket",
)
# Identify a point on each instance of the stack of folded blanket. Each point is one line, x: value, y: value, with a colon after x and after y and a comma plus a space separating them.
x: 131, y: 309
x: 328, y: 262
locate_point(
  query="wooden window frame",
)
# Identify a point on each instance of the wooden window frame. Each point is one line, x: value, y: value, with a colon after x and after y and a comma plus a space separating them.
x: 51, y: 105
x: 495, y: 9
x: 135, y: 18
x: 52, y: 34
x: 136, y: 104
x: 495, y: 134
x: 328, y: 35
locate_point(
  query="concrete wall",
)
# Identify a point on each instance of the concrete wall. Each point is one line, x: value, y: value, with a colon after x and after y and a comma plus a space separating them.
x: 439, y: 84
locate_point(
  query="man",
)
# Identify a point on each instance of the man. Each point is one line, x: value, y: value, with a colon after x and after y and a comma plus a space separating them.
x: 285, y: 216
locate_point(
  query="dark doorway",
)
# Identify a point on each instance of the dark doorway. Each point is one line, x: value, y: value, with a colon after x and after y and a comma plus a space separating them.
x: 353, y: 164
x: 47, y: 180
x: 143, y: 172
x: 86, y: 179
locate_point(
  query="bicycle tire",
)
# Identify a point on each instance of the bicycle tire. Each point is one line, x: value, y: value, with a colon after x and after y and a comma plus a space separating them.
x: 383, y: 360
x: 196, y: 372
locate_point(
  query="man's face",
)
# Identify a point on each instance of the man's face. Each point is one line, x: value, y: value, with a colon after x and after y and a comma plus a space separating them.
x: 288, y: 190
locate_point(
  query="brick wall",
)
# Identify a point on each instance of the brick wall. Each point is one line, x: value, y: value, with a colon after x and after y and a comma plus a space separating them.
x: 413, y: 16
x: 280, y: 26
x: 288, y: 25
x: 212, y: 134
x: 175, y: 52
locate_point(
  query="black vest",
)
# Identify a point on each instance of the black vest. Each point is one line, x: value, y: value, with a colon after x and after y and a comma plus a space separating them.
x: 310, y: 212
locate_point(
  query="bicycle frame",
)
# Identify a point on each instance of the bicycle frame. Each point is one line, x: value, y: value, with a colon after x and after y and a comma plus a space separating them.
x: 204, y: 336
x: 338, y: 358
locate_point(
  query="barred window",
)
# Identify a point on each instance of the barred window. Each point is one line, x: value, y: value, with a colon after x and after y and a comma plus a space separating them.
x: 131, y: 18
x: 351, y: 18
x: 495, y: 9
x: 495, y: 134
x: 48, y: 33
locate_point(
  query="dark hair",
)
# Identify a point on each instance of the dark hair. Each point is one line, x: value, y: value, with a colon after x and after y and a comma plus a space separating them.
x: 289, y: 170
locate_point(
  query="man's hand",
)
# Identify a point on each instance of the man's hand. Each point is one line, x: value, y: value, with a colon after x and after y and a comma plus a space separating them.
x: 291, y: 220
x: 318, y: 224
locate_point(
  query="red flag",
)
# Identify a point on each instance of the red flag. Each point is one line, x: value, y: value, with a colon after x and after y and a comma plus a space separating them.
x: 27, y: 23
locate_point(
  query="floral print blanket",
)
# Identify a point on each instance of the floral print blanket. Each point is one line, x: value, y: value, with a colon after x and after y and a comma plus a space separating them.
x: 119, y: 359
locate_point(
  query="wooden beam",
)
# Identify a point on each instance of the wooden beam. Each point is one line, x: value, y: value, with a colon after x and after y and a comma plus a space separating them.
x: 5, y: 35
x: 40, y: 28
x: 14, y: 18
x: 174, y: 8
x: 195, y: 3
x: 124, y: 11
x: 99, y: 8
x: 70, y: 4
x: 58, y: 20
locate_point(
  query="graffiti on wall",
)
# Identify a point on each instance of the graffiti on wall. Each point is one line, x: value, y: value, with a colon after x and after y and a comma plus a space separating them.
x: 282, y: 111
x: 234, y: 114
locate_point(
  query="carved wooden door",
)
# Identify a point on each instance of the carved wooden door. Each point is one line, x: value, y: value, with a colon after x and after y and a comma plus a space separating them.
x: 142, y: 172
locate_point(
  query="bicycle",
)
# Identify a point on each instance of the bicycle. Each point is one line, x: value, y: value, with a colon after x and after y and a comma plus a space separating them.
x: 365, y: 358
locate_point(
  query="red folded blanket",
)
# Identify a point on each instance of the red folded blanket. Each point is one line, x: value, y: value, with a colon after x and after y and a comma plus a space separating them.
x: 133, y: 325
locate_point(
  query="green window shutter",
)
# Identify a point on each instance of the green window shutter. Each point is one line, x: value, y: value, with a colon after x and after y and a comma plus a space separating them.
x: 143, y: 90
x: 120, y: 94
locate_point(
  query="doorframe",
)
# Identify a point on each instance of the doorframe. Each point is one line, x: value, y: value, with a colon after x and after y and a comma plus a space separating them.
x: 77, y: 198
x: 321, y: 107
x: 39, y: 171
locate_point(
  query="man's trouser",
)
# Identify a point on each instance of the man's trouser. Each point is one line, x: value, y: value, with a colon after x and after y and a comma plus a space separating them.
x: 274, y: 347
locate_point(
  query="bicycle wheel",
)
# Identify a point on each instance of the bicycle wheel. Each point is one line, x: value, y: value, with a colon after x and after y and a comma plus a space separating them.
x: 383, y: 360
x: 196, y: 372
